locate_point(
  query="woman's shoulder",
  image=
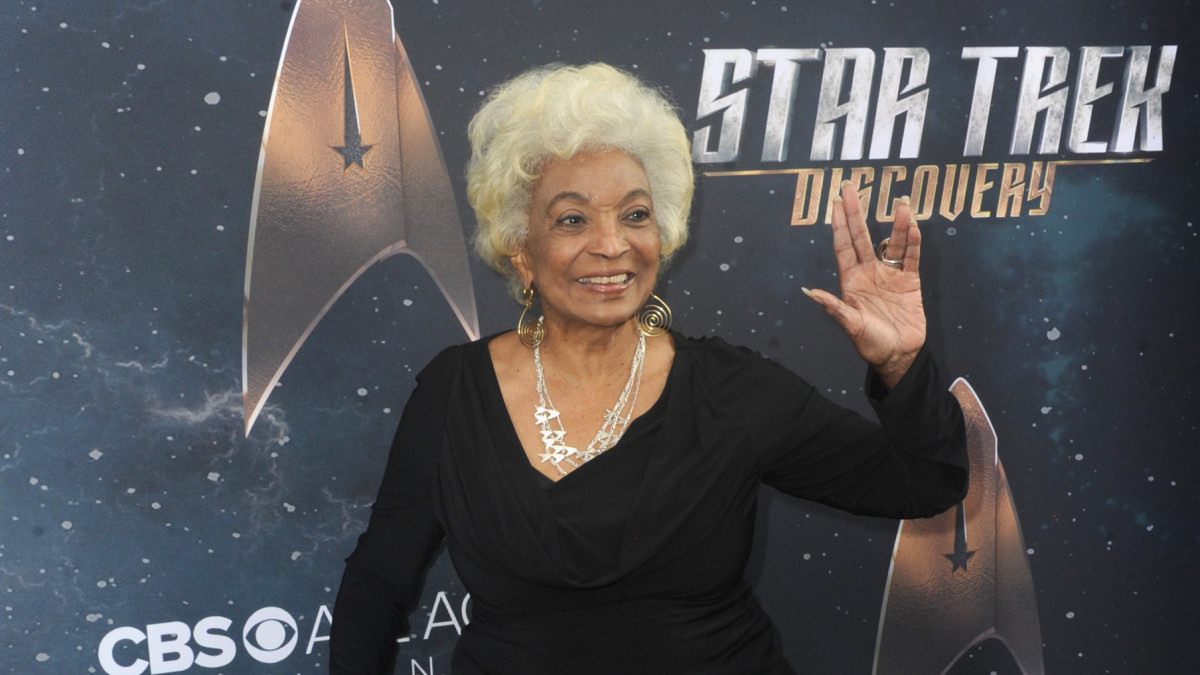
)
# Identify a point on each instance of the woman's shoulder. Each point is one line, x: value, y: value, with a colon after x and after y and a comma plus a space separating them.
x: 739, y: 383
x: 718, y: 362
x: 452, y: 358
x: 713, y: 349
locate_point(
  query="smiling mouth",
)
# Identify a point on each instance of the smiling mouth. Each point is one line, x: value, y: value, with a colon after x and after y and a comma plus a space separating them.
x: 614, y: 279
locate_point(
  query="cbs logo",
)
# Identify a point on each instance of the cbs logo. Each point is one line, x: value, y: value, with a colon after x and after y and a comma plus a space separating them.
x: 268, y: 636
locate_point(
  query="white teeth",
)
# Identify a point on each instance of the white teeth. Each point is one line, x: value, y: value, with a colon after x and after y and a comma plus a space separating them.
x: 615, y: 279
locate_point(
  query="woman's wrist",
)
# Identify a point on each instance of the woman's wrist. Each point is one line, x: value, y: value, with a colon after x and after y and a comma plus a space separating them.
x: 893, y: 370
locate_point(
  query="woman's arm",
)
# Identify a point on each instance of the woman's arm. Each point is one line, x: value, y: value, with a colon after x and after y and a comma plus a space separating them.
x: 383, y: 577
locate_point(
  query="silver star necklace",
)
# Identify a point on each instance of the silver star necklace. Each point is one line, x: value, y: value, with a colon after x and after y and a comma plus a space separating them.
x: 616, y: 419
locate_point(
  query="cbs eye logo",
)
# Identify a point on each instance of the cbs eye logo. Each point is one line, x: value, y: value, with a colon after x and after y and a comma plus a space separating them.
x: 270, y: 635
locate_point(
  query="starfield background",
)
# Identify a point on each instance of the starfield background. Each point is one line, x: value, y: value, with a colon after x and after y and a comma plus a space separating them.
x: 129, y: 139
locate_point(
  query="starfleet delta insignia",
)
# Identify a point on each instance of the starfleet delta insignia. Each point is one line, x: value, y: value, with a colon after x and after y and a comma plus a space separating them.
x: 961, y: 577
x: 349, y: 173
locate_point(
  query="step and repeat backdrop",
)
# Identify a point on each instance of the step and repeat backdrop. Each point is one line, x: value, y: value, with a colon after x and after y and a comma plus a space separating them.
x: 201, y: 369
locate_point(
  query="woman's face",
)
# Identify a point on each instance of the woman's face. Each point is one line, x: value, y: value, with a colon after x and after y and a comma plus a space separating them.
x: 593, y: 245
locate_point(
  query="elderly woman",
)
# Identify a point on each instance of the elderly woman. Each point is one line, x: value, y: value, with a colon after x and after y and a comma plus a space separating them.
x: 593, y: 474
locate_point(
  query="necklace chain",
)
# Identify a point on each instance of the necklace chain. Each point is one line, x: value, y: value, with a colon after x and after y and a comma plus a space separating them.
x: 616, y: 419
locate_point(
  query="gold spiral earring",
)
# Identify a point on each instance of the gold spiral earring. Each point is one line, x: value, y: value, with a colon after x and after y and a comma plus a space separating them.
x: 655, y: 318
x: 529, y: 332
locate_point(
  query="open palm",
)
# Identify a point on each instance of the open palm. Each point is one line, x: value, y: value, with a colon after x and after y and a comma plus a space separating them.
x: 880, y: 307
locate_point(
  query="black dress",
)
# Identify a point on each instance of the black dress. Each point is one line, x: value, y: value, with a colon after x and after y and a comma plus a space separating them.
x: 633, y: 562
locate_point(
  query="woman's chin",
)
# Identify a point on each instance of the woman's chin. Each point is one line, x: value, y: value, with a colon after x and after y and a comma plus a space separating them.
x: 613, y: 318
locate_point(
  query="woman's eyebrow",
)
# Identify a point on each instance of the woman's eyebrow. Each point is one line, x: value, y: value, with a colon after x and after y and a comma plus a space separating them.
x: 573, y: 196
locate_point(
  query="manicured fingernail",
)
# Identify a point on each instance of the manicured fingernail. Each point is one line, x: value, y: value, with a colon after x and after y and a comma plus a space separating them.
x: 905, y: 200
x: 807, y: 292
x: 844, y: 183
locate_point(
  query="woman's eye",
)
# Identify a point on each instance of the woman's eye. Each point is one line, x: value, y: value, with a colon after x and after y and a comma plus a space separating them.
x: 572, y: 219
x: 638, y: 215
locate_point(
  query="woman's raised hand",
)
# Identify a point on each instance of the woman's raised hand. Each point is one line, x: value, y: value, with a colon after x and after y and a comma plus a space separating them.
x: 880, y: 308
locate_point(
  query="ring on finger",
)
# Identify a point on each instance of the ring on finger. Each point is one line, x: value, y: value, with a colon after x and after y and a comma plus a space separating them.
x: 882, y: 252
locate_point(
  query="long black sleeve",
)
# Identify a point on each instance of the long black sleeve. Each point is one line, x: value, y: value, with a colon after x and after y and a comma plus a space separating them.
x: 912, y: 464
x: 383, y: 577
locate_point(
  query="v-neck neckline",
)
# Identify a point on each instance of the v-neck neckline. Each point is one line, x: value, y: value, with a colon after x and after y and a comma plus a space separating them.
x: 672, y: 461
x: 513, y: 439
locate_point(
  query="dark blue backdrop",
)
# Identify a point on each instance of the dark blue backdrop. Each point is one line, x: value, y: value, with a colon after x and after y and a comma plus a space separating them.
x: 129, y: 136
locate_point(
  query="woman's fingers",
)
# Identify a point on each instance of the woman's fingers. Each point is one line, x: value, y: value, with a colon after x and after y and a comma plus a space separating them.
x: 912, y: 249
x: 905, y: 242
x: 834, y: 305
x: 852, y: 238
x: 843, y: 247
x: 856, y: 223
x: 898, y: 241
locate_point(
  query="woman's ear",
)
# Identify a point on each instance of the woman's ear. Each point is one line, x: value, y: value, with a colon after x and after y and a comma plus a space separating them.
x: 520, y: 263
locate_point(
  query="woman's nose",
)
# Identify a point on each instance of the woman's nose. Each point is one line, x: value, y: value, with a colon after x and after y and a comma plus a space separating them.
x: 608, y: 238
